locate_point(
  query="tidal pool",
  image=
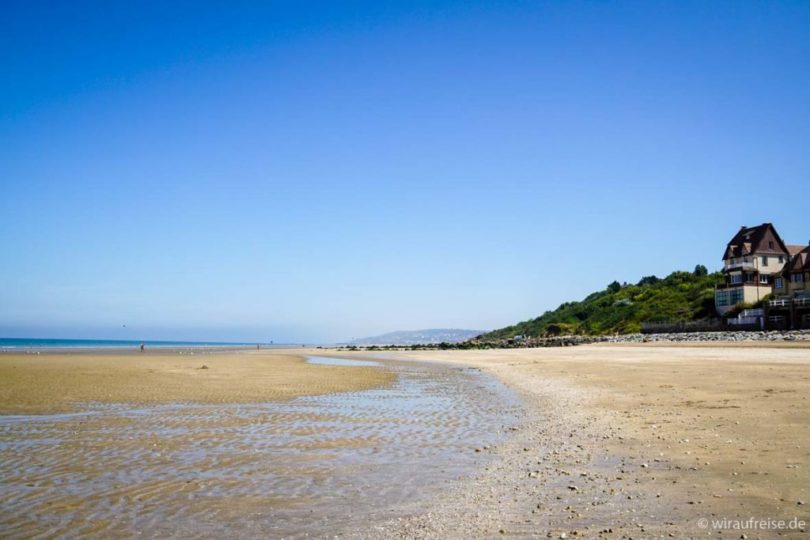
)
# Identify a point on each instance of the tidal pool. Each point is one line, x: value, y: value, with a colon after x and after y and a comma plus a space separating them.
x: 311, y: 466
x: 329, y: 361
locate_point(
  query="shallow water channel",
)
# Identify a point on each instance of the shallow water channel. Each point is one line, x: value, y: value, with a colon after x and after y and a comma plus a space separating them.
x: 316, y: 466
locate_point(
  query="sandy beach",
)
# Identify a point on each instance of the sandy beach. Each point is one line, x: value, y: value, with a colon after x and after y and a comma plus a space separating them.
x: 637, y: 442
x: 258, y: 445
x: 641, y: 441
x: 57, y: 382
x: 423, y: 270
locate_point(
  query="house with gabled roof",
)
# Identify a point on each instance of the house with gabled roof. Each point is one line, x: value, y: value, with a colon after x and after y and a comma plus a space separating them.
x: 790, y: 305
x: 794, y: 278
x: 751, y: 260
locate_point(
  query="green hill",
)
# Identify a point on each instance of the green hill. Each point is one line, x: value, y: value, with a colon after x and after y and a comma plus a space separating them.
x: 681, y: 296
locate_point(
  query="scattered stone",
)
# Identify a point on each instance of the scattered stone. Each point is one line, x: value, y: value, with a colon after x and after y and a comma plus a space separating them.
x: 568, y: 341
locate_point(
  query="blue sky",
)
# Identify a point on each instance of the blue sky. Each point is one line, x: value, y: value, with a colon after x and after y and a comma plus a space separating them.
x: 317, y: 171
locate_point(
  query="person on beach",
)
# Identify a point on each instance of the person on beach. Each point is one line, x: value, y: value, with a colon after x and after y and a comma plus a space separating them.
x: 142, y: 347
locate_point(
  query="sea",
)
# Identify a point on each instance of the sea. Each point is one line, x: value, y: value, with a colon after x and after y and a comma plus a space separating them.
x: 37, y: 343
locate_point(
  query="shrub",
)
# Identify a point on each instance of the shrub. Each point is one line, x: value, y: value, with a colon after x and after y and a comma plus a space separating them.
x: 648, y: 280
x: 678, y: 296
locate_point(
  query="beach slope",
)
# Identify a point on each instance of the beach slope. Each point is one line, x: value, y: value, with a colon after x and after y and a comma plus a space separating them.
x: 636, y: 441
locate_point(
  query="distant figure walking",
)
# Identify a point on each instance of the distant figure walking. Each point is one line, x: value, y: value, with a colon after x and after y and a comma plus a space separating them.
x: 257, y: 346
x: 142, y: 347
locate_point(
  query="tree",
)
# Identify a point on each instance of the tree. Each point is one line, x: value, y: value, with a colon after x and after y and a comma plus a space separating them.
x: 701, y: 271
x: 649, y: 280
x: 614, y: 287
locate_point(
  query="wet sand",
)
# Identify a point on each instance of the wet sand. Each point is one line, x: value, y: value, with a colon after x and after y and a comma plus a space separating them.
x: 59, y: 382
x: 203, y: 463
x: 609, y: 441
x: 636, y: 442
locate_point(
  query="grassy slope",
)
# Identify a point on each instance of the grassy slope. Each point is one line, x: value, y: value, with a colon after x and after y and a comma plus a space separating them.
x: 679, y: 296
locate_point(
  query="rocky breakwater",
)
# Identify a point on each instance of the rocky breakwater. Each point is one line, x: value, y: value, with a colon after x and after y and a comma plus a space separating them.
x: 572, y: 340
x: 775, y: 335
x: 673, y: 337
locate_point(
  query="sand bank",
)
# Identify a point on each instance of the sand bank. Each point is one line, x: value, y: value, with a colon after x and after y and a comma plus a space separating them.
x: 634, y: 441
x: 315, y: 466
x: 57, y: 382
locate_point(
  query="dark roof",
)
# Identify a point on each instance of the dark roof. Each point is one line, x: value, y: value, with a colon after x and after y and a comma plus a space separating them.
x: 800, y: 262
x: 750, y: 240
x: 793, y: 249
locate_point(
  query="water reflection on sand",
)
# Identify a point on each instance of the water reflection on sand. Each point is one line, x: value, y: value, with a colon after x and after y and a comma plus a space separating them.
x: 314, y: 465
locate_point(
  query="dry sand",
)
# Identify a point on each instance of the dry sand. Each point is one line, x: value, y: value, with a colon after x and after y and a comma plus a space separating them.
x: 58, y: 382
x: 635, y: 441
x: 616, y: 441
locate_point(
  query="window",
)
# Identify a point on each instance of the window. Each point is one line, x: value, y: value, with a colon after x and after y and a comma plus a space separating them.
x: 735, y: 279
x: 781, y: 259
x: 770, y: 244
x: 735, y: 296
x: 729, y: 297
x: 763, y: 279
x: 797, y: 278
x: 765, y: 260
x: 778, y: 283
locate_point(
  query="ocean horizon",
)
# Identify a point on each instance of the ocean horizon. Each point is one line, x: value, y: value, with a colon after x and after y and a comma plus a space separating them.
x: 58, y: 343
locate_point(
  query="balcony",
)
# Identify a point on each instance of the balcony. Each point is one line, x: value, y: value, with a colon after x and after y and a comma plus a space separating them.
x: 785, y: 302
x: 753, y: 283
x: 724, y: 286
x: 739, y: 264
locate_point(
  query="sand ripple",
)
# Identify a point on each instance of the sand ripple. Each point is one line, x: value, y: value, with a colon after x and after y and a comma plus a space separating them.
x: 312, y: 464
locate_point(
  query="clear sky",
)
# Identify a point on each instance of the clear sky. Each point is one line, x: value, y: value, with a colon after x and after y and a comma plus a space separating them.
x: 317, y: 171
